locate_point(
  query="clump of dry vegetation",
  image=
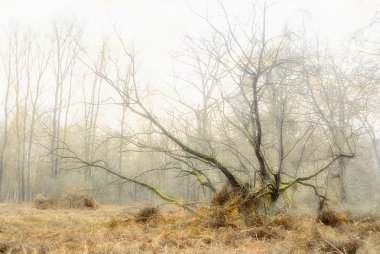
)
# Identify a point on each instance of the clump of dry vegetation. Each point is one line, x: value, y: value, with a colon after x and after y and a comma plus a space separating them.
x: 233, y: 207
x: 330, y: 217
x: 78, y: 200
x: 43, y: 203
x: 146, y: 214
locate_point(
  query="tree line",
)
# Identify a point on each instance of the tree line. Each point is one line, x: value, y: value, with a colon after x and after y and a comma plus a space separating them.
x: 265, y: 114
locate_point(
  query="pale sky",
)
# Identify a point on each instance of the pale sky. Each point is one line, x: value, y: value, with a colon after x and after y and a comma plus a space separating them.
x: 156, y: 26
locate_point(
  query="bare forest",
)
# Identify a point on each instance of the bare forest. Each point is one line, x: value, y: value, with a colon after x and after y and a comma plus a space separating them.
x: 257, y: 136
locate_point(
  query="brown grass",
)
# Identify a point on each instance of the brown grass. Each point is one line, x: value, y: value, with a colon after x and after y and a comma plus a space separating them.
x: 117, y: 229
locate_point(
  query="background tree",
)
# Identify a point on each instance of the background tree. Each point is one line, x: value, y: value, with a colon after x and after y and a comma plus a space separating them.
x: 65, y: 41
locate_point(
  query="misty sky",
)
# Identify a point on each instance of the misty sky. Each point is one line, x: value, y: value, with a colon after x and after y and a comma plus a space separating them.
x: 155, y: 27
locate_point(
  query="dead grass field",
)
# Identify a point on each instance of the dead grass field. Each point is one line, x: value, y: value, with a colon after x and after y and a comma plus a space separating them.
x: 117, y: 229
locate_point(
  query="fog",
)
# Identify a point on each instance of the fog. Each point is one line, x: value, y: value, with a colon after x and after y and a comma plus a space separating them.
x: 169, y: 101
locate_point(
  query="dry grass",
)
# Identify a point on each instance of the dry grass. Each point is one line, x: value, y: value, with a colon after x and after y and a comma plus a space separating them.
x: 117, y: 229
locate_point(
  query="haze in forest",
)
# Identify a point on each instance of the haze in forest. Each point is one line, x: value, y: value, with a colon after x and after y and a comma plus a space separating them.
x: 172, y: 100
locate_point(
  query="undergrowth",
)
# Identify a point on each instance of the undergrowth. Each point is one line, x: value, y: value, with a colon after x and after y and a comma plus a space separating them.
x: 231, y: 224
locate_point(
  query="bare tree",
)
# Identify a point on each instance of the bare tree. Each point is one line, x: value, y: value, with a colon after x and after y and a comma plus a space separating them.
x: 36, y: 72
x: 65, y: 39
x: 257, y: 81
x: 6, y: 59
x: 19, y: 52
x: 91, y: 110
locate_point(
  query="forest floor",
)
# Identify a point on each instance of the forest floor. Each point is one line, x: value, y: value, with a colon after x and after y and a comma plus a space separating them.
x: 119, y: 229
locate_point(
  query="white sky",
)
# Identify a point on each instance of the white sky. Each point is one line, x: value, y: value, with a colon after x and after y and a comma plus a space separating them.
x: 155, y: 26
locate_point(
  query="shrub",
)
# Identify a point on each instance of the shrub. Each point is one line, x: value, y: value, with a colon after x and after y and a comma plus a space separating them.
x: 41, y: 202
x: 80, y: 200
x: 70, y: 200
